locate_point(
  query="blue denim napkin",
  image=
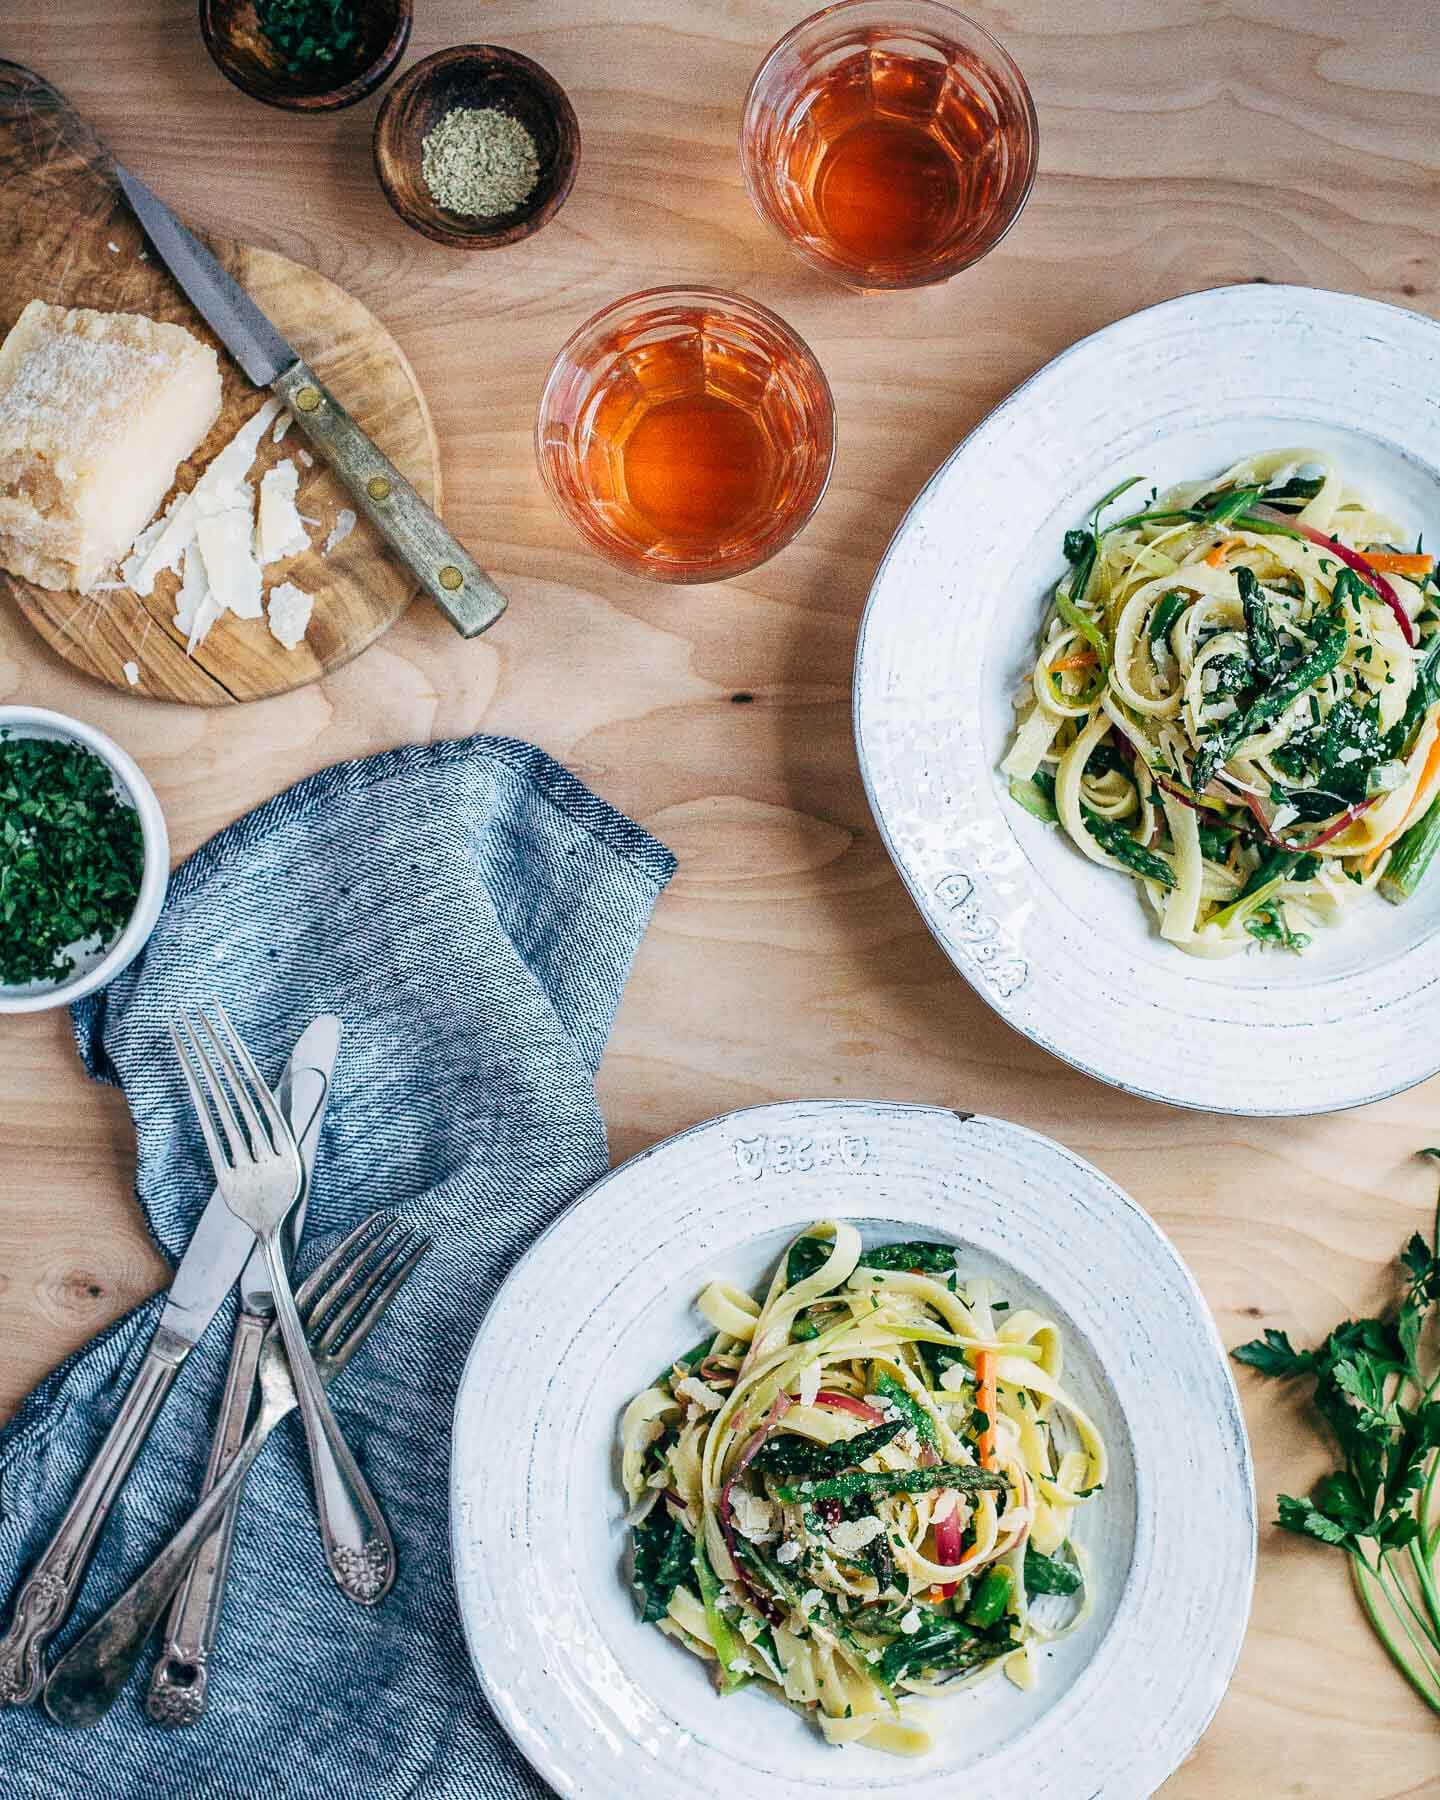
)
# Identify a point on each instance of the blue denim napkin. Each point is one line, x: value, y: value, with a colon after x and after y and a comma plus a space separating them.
x: 470, y: 911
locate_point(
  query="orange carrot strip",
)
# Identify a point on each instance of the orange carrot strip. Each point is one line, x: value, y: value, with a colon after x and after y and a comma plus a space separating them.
x: 1395, y: 562
x: 1427, y: 776
x: 1083, y: 659
x: 1221, y: 551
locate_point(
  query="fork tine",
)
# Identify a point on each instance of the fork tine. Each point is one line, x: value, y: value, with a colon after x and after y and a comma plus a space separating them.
x: 308, y: 1288
x: 261, y: 1145
x: 325, y: 1338
x: 379, y: 1305
x: 358, y: 1265
x: 187, y: 1048
x: 280, y: 1132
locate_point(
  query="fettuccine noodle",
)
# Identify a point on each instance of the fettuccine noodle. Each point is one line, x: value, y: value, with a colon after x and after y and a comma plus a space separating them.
x: 854, y: 1492
x: 1236, y: 703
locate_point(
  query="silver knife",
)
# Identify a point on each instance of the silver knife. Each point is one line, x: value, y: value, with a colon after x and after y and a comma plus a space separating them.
x: 180, y: 1678
x: 449, y: 574
x: 213, y: 1258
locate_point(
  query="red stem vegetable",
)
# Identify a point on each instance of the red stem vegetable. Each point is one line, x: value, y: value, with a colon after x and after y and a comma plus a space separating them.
x: 748, y: 1453
x: 848, y: 1403
x: 1352, y: 560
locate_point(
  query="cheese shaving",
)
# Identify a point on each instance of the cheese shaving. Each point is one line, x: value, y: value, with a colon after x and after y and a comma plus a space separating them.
x: 279, y: 531
x: 290, y: 609
x: 226, y: 473
x: 344, y: 524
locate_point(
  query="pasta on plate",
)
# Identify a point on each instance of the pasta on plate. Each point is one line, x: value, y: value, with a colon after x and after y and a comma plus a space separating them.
x: 862, y: 1487
x: 1235, y: 702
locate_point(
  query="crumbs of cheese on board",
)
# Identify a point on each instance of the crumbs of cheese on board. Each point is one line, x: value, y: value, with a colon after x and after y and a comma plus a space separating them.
x: 282, y: 425
x: 340, y: 530
x: 290, y: 609
x: 132, y: 673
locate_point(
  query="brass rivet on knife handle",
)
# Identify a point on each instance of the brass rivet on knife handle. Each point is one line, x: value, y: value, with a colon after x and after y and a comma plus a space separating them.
x: 443, y: 567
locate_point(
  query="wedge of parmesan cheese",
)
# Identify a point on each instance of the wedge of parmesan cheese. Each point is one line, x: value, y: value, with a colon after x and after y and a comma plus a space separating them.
x: 279, y: 531
x: 97, y: 410
x: 217, y: 490
x: 290, y: 609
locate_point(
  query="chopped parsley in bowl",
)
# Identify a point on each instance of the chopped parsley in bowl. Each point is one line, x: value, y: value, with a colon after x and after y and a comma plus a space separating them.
x: 84, y: 857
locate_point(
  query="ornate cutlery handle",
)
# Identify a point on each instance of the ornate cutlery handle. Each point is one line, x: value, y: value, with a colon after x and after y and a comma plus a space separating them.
x: 358, y: 1546
x: 49, y: 1591
x: 85, y: 1682
x: 179, y: 1680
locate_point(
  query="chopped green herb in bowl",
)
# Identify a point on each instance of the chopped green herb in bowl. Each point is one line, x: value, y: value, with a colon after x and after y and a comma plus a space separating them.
x: 83, y: 859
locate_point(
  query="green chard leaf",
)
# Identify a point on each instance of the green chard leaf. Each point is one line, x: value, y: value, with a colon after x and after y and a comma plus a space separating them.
x: 1049, y: 1574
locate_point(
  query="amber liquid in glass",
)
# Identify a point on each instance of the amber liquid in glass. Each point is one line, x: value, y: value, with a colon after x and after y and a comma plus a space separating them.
x: 694, y: 468
x: 688, y: 436
x: 894, y: 160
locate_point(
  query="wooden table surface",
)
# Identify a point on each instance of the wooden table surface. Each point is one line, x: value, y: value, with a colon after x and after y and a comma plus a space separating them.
x: 1184, y: 143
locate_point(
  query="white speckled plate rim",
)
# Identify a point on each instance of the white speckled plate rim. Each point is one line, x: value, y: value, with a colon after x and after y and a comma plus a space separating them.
x: 1009, y: 901
x: 608, y: 1709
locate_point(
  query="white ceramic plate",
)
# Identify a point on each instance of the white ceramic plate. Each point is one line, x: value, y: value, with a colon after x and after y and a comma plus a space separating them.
x: 607, y: 1708
x: 1063, y: 949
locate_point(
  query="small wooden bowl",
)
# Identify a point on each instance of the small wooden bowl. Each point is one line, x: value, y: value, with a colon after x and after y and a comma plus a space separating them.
x: 479, y: 75
x: 245, y: 56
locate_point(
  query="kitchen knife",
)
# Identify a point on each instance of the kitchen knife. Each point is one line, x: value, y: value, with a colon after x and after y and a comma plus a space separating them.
x: 214, y: 1257
x: 449, y: 574
x: 180, y: 1678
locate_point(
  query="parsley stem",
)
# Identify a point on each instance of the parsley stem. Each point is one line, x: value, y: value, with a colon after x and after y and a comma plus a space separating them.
x: 1426, y: 1583
x: 1387, y: 1568
x: 1367, y: 1581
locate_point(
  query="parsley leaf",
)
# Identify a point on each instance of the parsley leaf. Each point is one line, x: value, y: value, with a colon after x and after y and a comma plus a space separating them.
x: 1373, y: 1386
x: 1274, y: 1355
x: 71, y: 857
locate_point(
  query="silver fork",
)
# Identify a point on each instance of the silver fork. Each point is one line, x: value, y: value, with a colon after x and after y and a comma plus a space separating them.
x: 345, y: 1297
x: 260, y: 1181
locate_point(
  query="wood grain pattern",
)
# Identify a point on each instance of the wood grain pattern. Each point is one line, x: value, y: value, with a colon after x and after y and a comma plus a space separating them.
x: 67, y: 236
x: 1183, y: 144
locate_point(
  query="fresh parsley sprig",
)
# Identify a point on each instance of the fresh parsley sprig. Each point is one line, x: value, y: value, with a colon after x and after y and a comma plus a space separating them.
x: 1375, y: 1382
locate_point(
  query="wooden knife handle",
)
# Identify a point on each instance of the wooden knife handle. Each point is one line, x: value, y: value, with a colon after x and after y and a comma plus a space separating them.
x: 449, y: 574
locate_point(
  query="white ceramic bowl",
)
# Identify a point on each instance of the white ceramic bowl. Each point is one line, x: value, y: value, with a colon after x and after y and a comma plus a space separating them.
x: 1062, y: 949
x: 605, y: 1707
x: 97, y: 965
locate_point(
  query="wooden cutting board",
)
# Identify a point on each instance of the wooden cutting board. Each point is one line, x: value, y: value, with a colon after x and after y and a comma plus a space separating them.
x: 67, y: 236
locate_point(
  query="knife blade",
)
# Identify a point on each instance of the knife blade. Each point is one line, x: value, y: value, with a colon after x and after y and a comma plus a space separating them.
x: 448, y: 573
x: 212, y: 1261
x: 179, y: 1682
